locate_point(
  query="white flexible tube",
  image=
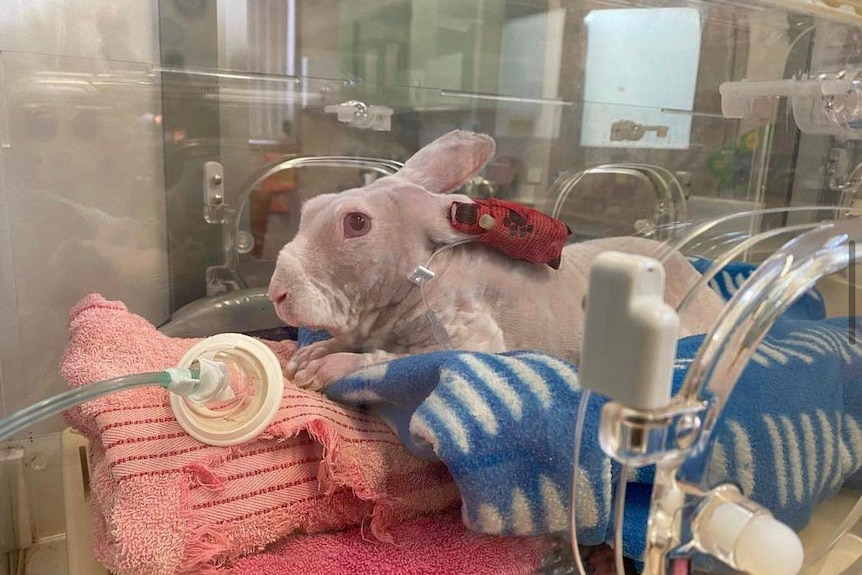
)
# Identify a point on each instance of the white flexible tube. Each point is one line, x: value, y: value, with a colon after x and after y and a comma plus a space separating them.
x: 619, y: 514
x: 573, y: 497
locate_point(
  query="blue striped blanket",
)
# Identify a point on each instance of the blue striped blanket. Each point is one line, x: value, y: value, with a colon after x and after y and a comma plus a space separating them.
x: 504, y: 425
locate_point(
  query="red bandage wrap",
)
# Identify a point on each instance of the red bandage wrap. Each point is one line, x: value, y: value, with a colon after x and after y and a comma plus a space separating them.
x: 520, y: 232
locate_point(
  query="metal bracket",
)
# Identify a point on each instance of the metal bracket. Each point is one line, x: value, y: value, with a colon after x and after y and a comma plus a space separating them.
x: 214, y: 201
x: 626, y: 130
x: 360, y: 115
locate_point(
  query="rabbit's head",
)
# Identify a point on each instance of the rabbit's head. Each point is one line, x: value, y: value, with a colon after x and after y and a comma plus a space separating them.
x: 355, y: 250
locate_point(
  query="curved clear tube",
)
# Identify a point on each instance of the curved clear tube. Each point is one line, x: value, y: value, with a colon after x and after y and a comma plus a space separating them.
x: 380, y: 166
x: 670, y: 198
x: 226, y: 276
x: 696, y: 231
x: 770, y: 290
x: 40, y: 410
x: 568, y: 181
x: 730, y: 344
x: 840, y: 530
x: 583, y: 401
x: 729, y: 255
x: 732, y: 245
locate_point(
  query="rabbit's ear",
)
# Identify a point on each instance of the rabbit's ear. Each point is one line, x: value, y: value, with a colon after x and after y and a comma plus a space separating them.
x: 446, y: 163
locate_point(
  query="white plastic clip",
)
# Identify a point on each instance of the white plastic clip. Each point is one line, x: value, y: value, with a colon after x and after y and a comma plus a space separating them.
x: 421, y: 275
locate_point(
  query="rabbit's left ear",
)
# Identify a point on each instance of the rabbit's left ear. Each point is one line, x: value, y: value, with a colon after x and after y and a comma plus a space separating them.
x: 446, y: 163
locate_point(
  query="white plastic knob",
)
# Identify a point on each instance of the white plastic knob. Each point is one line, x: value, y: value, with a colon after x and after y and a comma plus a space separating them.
x: 630, y: 333
x: 754, y: 543
x: 767, y: 546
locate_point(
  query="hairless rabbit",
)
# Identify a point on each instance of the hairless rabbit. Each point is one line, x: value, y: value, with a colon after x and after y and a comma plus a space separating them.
x: 347, y: 269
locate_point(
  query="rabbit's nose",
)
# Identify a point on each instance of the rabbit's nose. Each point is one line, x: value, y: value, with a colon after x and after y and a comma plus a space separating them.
x: 277, y: 295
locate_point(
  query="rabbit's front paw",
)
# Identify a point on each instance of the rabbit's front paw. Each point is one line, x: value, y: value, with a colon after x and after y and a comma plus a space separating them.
x: 319, y: 373
x: 309, y: 353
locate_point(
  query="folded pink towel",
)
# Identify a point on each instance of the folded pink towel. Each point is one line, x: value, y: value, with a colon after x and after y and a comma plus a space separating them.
x: 164, y: 503
x: 430, y: 545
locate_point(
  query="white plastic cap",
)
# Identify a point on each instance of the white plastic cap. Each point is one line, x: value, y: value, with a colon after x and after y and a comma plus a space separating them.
x: 758, y: 544
x: 630, y: 333
x: 769, y: 547
x: 261, y: 372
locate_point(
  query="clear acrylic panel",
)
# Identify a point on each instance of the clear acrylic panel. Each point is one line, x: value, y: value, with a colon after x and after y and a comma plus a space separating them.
x: 158, y: 152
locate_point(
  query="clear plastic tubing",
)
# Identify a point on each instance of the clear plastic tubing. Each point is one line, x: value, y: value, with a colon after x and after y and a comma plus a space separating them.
x: 583, y: 402
x: 826, y: 545
x: 58, y: 403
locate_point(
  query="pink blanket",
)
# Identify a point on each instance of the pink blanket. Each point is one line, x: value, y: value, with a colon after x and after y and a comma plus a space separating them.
x: 439, y: 545
x: 163, y: 503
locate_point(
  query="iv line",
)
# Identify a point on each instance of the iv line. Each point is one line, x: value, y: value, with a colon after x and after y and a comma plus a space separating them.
x: 421, y: 275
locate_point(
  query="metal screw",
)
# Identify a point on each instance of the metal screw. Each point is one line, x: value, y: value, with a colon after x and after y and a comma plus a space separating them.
x: 216, y: 179
x: 217, y: 199
x: 39, y: 461
x: 244, y: 242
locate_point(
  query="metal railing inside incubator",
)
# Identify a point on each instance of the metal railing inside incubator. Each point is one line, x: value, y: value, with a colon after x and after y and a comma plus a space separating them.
x: 670, y: 204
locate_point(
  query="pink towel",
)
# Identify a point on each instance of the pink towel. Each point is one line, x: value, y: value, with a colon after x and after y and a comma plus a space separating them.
x: 163, y: 503
x: 430, y: 545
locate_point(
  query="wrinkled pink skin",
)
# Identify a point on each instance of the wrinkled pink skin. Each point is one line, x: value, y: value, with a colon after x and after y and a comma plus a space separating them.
x: 357, y: 289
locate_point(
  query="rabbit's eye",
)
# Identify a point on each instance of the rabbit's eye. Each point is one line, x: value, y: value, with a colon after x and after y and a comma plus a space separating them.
x: 356, y: 224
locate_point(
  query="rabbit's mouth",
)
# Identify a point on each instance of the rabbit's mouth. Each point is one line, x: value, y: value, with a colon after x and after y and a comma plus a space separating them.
x: 288, y: 315
x: 308, y: 312
x: 296, y: 321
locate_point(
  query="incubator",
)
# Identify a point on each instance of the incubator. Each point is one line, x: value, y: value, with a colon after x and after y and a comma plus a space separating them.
x: 158, y: 153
